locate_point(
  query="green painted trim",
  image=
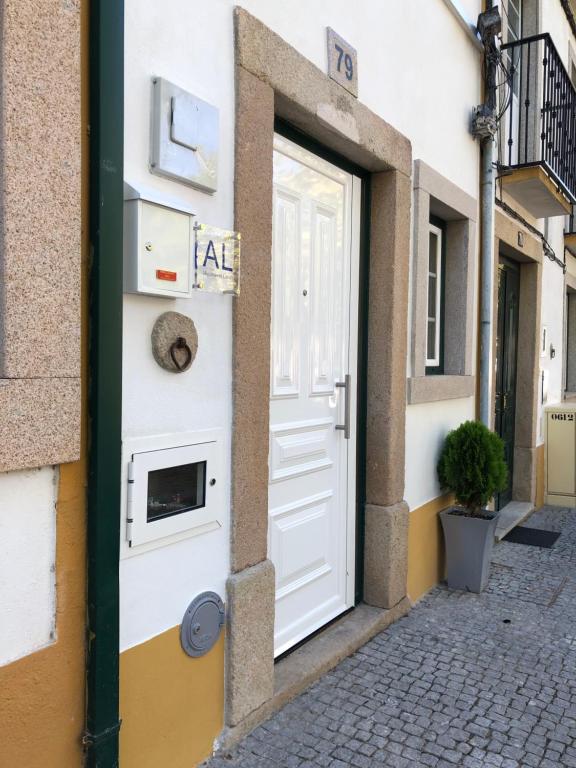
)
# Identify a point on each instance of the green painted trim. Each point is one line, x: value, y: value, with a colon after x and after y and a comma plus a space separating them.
x: 105, y: 383
x: 293, y: 134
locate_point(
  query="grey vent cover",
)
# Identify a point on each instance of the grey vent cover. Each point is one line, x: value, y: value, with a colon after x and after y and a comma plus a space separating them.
x: 202, y: 624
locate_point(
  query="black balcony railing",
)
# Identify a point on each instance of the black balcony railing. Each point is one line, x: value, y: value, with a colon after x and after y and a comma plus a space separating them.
x: 538, y: 126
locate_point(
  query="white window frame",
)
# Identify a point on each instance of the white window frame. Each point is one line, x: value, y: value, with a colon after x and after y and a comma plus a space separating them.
x: 511, y: 33
x: 434, y: 362
x: 436, y: 196
x: 141, y: 455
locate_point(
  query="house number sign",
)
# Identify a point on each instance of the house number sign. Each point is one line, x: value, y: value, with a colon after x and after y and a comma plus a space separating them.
x: 342, y: 62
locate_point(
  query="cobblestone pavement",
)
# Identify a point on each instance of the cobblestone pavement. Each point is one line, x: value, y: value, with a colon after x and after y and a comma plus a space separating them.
x: 464, y: 680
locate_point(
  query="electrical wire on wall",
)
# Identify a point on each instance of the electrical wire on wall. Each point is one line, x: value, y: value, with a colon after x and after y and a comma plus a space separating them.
x: 548, y: 250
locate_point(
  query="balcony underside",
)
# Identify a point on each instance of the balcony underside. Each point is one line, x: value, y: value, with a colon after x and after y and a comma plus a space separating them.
x: 535, y: 190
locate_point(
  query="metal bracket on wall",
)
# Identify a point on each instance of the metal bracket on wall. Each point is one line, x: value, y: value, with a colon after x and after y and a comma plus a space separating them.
x: 90, y: 739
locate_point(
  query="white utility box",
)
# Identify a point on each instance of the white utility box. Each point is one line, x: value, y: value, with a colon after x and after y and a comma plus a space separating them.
x: 561, y: 454
x: 158, y: 242
x: 174, y: 487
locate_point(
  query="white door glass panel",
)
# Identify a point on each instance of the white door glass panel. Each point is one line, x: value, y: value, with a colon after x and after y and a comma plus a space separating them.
x: 313, y: 346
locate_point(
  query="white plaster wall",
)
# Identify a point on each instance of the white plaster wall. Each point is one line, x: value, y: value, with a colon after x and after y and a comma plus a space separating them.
x: 420, y: 72
x: 416, y: 66
x: 469, y: 9
x: 553, y: 20
x: 157, y: 401
x: 427, y: 425
x: 552, y: 316
x: 169, y: 39
x: 27, y: 561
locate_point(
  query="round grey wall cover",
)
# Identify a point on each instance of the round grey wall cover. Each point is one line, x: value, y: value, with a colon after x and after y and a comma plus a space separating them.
x: 202, y: 624
x: 174, y: 342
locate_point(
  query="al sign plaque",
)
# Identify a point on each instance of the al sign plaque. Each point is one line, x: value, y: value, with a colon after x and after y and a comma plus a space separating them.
x: 216, y: 260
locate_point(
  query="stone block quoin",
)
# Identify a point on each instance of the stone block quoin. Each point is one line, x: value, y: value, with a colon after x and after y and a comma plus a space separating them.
x: 40, y: 233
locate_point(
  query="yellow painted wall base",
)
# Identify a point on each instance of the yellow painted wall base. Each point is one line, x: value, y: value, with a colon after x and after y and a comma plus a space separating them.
x: 426, y: 547
x: 42, y: 696
x: 539, y: 476
x: 171, y: 705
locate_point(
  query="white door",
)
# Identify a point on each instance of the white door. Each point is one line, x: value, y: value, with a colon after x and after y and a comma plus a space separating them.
x: 312, y: 478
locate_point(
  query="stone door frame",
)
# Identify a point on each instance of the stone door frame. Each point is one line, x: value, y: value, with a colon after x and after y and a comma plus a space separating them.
x: 274, y: 81
x: 529, y: 260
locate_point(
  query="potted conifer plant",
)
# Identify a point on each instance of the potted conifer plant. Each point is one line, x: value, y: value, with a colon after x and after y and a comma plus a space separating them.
x: 472, y: 466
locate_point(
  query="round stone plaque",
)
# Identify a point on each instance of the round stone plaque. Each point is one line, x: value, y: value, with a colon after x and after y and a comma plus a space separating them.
x: 174, y: 342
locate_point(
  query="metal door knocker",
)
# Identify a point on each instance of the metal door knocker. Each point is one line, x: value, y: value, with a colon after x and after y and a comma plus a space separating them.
x: 174, y: 342
x: 181, y: 343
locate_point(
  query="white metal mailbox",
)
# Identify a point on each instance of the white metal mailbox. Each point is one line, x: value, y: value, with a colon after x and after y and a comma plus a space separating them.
x: 173, y: 491
x: 157, y: 247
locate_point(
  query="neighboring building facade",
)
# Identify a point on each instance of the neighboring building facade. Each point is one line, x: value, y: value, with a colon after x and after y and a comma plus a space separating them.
x: 535, y: 192
x: 303, y: 433
x: 43, y: 269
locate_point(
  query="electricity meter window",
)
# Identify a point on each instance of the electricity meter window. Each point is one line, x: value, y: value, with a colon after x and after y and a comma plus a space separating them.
x: 174, y: 490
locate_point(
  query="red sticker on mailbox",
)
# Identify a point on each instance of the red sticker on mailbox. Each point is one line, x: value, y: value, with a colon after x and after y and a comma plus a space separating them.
x: 164, y: 274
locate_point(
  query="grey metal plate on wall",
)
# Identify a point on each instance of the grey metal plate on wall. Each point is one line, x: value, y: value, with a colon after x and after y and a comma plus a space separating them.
x: 185, y: 136
x: 202, y: 624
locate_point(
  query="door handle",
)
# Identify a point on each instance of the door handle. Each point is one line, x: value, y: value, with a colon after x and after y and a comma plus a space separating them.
x: 345, y: 385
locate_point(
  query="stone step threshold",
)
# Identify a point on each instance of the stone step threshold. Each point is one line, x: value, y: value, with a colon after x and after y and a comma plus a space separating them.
x: 512, y: 515
x: 304, y: 666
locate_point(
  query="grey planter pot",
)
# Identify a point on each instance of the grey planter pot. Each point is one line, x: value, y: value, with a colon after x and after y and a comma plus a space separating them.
x: 469, y: 542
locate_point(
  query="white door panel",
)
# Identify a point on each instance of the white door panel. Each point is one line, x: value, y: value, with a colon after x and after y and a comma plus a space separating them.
x: 300, y: 447
x: 298, y: 533
x: 286, y: 297
x: 313, y: 339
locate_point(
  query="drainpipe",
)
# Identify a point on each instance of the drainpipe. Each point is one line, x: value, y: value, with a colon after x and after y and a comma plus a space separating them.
x: 484, y: 128
x: 105, y: 380
x: 487, y: 279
